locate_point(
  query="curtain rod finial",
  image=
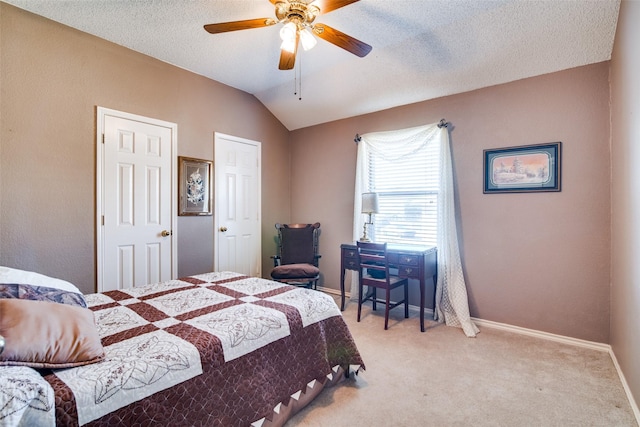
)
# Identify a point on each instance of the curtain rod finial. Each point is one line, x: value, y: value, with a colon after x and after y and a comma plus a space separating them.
x: 443, y: 123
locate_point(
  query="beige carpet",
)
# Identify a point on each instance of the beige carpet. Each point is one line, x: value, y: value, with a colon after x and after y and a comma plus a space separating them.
x: 442, y: 378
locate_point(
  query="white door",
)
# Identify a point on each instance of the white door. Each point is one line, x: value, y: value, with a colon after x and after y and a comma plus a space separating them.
x: 136, y: 200
x: 237, y: 245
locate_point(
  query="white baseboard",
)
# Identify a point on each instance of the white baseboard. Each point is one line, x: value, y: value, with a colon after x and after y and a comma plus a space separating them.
x: 537, y: 334
x: 625, y: 385
x: 332, y: 291
x: 543, y: 335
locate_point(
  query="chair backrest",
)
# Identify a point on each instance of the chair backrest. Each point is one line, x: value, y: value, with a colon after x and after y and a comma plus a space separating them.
x: 373, y: 258
x: 298, y: 243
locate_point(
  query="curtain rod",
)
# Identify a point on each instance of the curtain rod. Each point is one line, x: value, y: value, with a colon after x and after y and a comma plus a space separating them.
x: 442, y: 124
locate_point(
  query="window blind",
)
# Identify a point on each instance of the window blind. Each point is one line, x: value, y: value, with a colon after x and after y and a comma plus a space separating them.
x: 408, y: 196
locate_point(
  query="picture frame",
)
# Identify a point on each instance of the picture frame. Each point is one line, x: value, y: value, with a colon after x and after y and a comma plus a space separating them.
x: 523, y: 169
x: 195, y: 178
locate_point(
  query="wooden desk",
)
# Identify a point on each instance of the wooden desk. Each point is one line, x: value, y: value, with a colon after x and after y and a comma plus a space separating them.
x: 414, y: 262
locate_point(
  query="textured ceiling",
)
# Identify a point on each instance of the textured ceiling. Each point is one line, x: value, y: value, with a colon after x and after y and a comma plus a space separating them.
x: 422, y: 49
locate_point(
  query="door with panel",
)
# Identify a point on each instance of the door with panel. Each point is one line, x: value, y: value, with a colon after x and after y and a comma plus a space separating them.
x: 136, y: 200
x: 237, y: 245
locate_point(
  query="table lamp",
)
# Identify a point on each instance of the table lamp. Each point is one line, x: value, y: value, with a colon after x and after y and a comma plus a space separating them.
x: 369, y: 206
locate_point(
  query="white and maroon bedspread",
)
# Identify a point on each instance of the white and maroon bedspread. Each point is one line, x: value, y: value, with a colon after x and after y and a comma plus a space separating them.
x: 213, y: 349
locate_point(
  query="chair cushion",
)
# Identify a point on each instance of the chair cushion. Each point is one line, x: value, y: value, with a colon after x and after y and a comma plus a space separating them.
x: 295, y: 271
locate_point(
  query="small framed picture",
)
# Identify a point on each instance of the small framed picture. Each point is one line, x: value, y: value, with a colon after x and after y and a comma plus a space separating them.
x: 524, y: 169
x: 194, y: 176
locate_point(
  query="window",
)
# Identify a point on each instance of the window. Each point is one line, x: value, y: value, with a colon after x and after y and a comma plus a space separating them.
x: 408, y: 196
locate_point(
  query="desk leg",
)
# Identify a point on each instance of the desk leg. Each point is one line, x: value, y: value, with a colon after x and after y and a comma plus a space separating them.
x: 341, y: 289
x: 422, y: 304
x: 435, y: 283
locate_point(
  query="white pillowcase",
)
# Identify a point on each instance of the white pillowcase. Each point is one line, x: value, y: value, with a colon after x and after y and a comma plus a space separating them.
x: 22, y: 277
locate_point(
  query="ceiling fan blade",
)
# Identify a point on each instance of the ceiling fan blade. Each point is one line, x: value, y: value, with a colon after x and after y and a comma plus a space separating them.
x: 342, y: 40
x: 327, y: 6
x: 288, y: 59
x: 247, y: 24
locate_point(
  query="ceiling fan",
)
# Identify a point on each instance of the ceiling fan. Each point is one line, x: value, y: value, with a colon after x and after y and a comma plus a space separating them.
x: 298, y: 18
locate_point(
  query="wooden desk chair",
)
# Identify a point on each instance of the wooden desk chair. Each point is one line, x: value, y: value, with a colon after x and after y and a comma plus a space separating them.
x: 374, y: 273
x: 297, y: 260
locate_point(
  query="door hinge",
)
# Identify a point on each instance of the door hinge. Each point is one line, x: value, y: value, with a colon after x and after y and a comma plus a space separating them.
x: 103, y: 138
x: 103, y: 220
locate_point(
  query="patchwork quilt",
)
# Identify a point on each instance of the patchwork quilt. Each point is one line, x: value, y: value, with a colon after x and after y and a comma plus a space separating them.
x: 216, y: 349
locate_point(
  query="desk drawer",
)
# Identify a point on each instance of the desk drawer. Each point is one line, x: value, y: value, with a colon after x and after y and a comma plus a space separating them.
x: 350, y: 259
x: 404, y: 259
x: 408, y: 271
x: 410, y: 260
x: 408, y: 265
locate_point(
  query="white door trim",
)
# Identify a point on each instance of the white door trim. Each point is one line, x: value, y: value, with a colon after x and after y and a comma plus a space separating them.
x: 101, y: 113
x: 216, y: 221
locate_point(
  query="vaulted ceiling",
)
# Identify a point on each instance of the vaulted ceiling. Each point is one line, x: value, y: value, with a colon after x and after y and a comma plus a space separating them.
x: 422, y: 49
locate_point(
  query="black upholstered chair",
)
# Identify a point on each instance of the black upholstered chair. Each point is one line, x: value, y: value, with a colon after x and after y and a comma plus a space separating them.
x: 374, y: 273
x: 297, y: 260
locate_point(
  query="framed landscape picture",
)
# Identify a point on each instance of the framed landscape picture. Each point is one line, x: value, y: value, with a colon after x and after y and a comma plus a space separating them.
x: 194, y: 176
x: 528, y: 168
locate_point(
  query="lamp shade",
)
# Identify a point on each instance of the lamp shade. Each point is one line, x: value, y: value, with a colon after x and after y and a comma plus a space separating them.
x: 307, y: 39
x: 288, y: 32
x: 370, y: 203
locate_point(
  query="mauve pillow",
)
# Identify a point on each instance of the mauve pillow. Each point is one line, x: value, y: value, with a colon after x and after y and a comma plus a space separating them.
x: 43, y: 334
x: 41, y: 293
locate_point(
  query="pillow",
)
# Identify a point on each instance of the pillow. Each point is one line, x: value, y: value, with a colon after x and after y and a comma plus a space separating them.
x: 12, y: 275
x: 43, y: 334
x: 41, y: 293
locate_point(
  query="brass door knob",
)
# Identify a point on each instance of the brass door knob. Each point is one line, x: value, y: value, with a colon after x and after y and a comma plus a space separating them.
x: 166, y: 233
x: 223, y: 229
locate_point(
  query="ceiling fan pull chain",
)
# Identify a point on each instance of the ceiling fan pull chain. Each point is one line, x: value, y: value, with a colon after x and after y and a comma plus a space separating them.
x: 295, y: 82
x: 297, y: 79
x: 300, y: 84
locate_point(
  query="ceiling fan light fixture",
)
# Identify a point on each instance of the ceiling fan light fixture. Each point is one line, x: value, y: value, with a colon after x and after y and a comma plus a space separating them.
x: 288, y: 32
x: 306, y: 39
x: 289, y: 45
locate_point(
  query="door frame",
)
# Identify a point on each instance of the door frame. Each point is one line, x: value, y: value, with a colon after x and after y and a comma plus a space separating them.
x: 216, y: 220
x: 101, y: 113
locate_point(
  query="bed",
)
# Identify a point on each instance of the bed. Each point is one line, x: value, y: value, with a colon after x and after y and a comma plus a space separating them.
x: 216, y: 349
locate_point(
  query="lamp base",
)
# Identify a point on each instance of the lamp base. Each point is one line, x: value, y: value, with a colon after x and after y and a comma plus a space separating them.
x: 364, y: 237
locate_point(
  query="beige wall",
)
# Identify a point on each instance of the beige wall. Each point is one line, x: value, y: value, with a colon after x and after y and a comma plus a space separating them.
x: 52, y: 79
x: 538, y: 261
x: 625, y: 140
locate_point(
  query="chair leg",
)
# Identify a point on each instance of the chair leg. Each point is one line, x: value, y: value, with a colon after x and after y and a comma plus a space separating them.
x: 359, y: 300
x: 386, y: 310
x: 406, y: 301
x: 375, y: 298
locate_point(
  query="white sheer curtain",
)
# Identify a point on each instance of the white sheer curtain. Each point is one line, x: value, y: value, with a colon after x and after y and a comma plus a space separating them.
x: 452, y: 306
